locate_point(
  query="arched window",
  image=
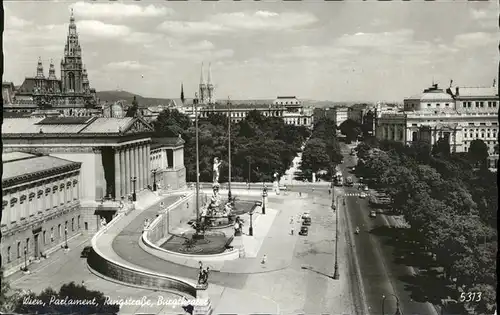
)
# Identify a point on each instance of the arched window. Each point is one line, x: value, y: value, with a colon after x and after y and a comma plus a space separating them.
x: 71, y: 81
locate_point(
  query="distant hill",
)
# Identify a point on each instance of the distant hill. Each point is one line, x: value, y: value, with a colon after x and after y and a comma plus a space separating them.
x: 114, y: 96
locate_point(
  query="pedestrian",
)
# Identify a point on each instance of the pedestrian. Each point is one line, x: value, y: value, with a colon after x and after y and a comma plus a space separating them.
x: 291, y: 220
x: 83, y: 283
x: 300, y: 194
x: 291, y: 232
x: 264, y: 259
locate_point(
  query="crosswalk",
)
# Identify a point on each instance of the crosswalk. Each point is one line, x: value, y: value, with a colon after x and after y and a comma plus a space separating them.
x: 357, y: 194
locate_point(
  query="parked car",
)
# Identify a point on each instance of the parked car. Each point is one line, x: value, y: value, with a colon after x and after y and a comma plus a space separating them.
x: 304, y: 230
x: 306, y: 214
x: 365, y: 188
x: 306, y: 221
x: 86, y: 251
x: 373, y: 214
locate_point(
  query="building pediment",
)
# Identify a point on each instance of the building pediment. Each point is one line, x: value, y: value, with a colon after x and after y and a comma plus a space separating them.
x: 136, y: 126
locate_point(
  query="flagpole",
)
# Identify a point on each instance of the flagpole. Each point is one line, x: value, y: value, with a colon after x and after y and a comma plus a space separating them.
x: 229, y: 133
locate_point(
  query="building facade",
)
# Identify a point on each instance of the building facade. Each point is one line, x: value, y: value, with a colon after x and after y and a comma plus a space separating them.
x: 114, y: 153
x: 167, y: 161
x: 40, y: 207
x: 70, y: 95
x: 459, y: 116
x: 289, y: 109
x: 340, y: 114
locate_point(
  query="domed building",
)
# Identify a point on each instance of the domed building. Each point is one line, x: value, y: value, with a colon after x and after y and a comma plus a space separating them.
x: 459, y: 115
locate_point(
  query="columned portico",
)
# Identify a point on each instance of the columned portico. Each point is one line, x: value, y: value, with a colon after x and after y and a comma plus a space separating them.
x: 118, y: 183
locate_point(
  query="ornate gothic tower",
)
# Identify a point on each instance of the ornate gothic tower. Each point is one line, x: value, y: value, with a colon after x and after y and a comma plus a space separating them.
x: 52, y: 71
x: 210, y: 87
x: 72, y: 72
x: 203, y: 88
x: 39, y: 69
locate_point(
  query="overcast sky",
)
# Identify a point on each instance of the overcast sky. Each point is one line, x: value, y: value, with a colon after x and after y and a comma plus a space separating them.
x: 338, y: 51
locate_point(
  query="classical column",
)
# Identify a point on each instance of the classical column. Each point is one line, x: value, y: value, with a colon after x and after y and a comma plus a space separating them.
x: 136, y: 162
x: 148, y: 163
x: 117, y: 174
x: 126, y: 166
x: 140, y: 171
x: 145, y: 165
x: 123, y: 189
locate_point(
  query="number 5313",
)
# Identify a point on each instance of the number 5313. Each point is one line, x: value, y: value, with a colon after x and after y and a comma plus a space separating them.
x: 470, y: 296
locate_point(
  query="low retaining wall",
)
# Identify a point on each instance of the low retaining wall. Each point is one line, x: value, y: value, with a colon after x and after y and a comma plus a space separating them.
x: 128, y: 274
x: 158, y: 230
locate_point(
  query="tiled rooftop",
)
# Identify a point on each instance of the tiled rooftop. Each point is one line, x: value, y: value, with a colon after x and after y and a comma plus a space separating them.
x: 11, y: 156
x: 15, y: 168
x: 65, y: 125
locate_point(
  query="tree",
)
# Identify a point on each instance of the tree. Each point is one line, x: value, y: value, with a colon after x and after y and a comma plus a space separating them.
x: 314, y: 157
x: 351, y: 129
x: 478, y: 152
x: 171, y: 123
x: 133, y: 110
x: 441, y: 148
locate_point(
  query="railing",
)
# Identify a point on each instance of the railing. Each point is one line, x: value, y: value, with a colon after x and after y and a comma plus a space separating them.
x: 130, y: 274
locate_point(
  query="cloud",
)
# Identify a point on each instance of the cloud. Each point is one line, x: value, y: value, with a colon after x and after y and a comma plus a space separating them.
x: 92, y: 28
x: 126, y: 65
x: 13, y: 22
x: 118, y: 10
x: 472, y: 40
x: 383, y: 39
x: 239, y: 21
x: 486, y: 18
x: 314, y: 52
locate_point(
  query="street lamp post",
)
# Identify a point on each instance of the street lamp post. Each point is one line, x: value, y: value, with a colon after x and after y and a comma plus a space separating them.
x: 154, y: 179
x: 398, y: 311
x: 134, y: 195
x: 336, y: 275
x: 250, y: 229
x: 229, y: 147
x: 66, y: 238
x: 264, y: 195
x: 25, y: 259
x: 198, y: 219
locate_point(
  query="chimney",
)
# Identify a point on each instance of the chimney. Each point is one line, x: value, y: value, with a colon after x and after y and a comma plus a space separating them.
x: 457, y: 91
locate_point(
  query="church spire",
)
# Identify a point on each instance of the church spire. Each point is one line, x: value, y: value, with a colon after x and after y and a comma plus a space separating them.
x: 182, y: 93
x: 202, y: 80
x: 52, y: 71
x: 209, y: 80
x: 39, y: 69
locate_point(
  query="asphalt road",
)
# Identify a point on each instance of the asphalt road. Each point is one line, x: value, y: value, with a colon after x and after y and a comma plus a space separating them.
x: 380, y: 273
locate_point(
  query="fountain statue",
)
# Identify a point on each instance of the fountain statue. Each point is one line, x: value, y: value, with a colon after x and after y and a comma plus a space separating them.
x: 217, y: 163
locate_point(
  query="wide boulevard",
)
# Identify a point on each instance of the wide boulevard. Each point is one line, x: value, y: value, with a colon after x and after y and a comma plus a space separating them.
x: 379, y: 270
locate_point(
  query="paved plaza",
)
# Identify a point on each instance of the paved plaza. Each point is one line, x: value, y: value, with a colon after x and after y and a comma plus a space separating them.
x: 296, y: 277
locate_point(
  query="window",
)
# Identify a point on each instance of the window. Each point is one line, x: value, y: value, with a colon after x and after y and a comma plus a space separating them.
x: 464, y: 104
x: 447, y: 104
x: 437, y: 105
x: 8, y: 254
x: 18, y: 249
x: 465, y: 148
x: 465, y: 135
x: 78, y: 223
x: 72, y: 224
x: 428, y: 105
x: 44, y: 237
x: 482, y: 135
x: 471, y: 124
x: 477, y: 104
x: 477, y: 135
x: 51, y: 234
x: 470, y: 134
x: 488, y: 134
x: 494, y: 104
x: 482, y: 124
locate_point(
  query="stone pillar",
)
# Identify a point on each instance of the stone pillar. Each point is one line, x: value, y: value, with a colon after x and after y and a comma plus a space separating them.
x: 136, y: 162
x: 144, y: 166
x: 204, y: 306
x: 148, y: 163
x: 123, y: 177
x: 117, y: 175
x: 140, y: 171
x: 126, y: 153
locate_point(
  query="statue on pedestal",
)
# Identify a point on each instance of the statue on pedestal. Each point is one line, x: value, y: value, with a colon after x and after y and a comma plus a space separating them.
x: 203, y: 275
x: 217, y: 163
x: 238, y: 226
